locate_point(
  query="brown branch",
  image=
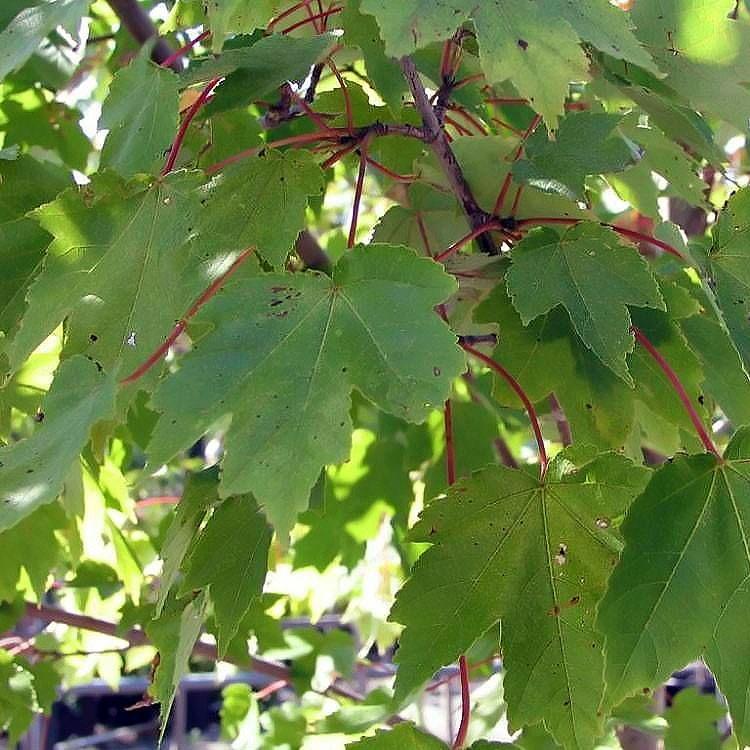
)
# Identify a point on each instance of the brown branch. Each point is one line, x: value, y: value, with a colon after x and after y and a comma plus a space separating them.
x: 137, y: 637
x: 435, y: 136
x: 137, y: 21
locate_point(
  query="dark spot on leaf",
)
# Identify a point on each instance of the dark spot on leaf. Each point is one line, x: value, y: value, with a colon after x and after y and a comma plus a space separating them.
x: 93, y: 337
x: 436, y: 371
x: 554, y: 612
x: 574, y: 600
x: 523, y: 44
x: 39, y: 416
x: 589, y: 406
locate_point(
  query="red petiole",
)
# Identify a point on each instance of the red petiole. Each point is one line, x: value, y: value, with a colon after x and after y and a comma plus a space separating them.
x: 679, y: 389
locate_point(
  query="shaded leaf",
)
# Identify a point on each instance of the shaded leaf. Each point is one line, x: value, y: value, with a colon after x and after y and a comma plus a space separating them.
x: 230, y: 558
x: 589, y: 272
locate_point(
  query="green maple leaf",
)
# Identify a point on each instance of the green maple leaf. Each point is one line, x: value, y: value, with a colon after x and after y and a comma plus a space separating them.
x: 590, y: 273
x: 560, y: 166
x: 141, y: 113
x: 412, y: 24
x: 404, y: 736
x: 535, y: 555
x: 548, y: 357
x: 245, y: 201
x: 31, y: 545
x: 235, y: 16
x: 517, y: 41
x: 199, y: 495
x: 729, y: 267
x: 255, y: 72
x: 174, y: 634
x: 32, y: 472
x: 25, y: 183
x: 117, y: 271
x: 17, y: 698
x: 284, y: 355
x: 700, y: 48
x: 687, y: 532
x: 692, y: 722
x: 230, y: 558
x: 23, y: 35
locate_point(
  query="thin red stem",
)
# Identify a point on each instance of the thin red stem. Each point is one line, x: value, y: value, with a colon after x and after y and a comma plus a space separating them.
x: 678, y: 388
x: 288, y: 12
x: 509, y: 177
x: 290, y: 141
x: 469, y: 118
x: 466, y: 81
x: 423, y: 233
x: 205, y: 296
x: 312, y: 19
x: 530, y: 410
x: 631, y: 234
x: 310, y: 112
x: 460, y: 129
x: 149, y: 502
x: 274, y: 687
x: 177, y: 54
x: 507, y: 126
x: 358, y: 195
x: 516, y: 200
x: 394, y: 175
x: 345, y: 94
x: 174, y: 150
x: 338, y: 155
x: 490, y: 226
x: 450, y: 449
x: 463, y: 727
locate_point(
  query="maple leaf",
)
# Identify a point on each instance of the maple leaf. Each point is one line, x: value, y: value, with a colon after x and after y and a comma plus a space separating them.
x: 141, y: 113
x: 174, y: 634
x: 116, y: 270
x: 284, y: 355
x: 33, y: 470
x: 560, y: 166
x: 686, y: 533
x: 589, y: 272
x: 245, y: 200
x: 548, y: 357
x: 535, y: 555
x: 730, y: 268
x: 404, y: 736
x: 235, y: 577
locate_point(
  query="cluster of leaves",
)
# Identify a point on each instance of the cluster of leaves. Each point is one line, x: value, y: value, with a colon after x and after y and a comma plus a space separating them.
x: 186, y: 314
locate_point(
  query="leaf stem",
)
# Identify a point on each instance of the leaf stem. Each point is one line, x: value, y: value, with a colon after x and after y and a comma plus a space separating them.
x: 463, y: 727
x: 177, y: 54
x: 516, y: 386
x: 288, y: 12
x: 679, y: 389
x: 490, y: 226
x: 205, y: 296
x: 631, y: 234
x: 450, y: 448
x: 290, y: 141
x: 174, y: 149
x: 358, y: 195
x: 516, y: 156
x: 344, y: 93
x: 313, y: 19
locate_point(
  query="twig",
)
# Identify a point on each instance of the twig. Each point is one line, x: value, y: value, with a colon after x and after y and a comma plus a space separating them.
x: 679, y: 389
x: 435, y: 136
x: 530, y: 410
x: 357, y: 195
x: 463, y: 727
x: 177, y: 54
x: 137, y: 637
x: 563, y: 426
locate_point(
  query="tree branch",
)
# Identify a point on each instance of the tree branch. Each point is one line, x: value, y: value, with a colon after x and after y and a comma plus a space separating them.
x: 136, y: 637
x: 137, y: 21
x: 434, y: 135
